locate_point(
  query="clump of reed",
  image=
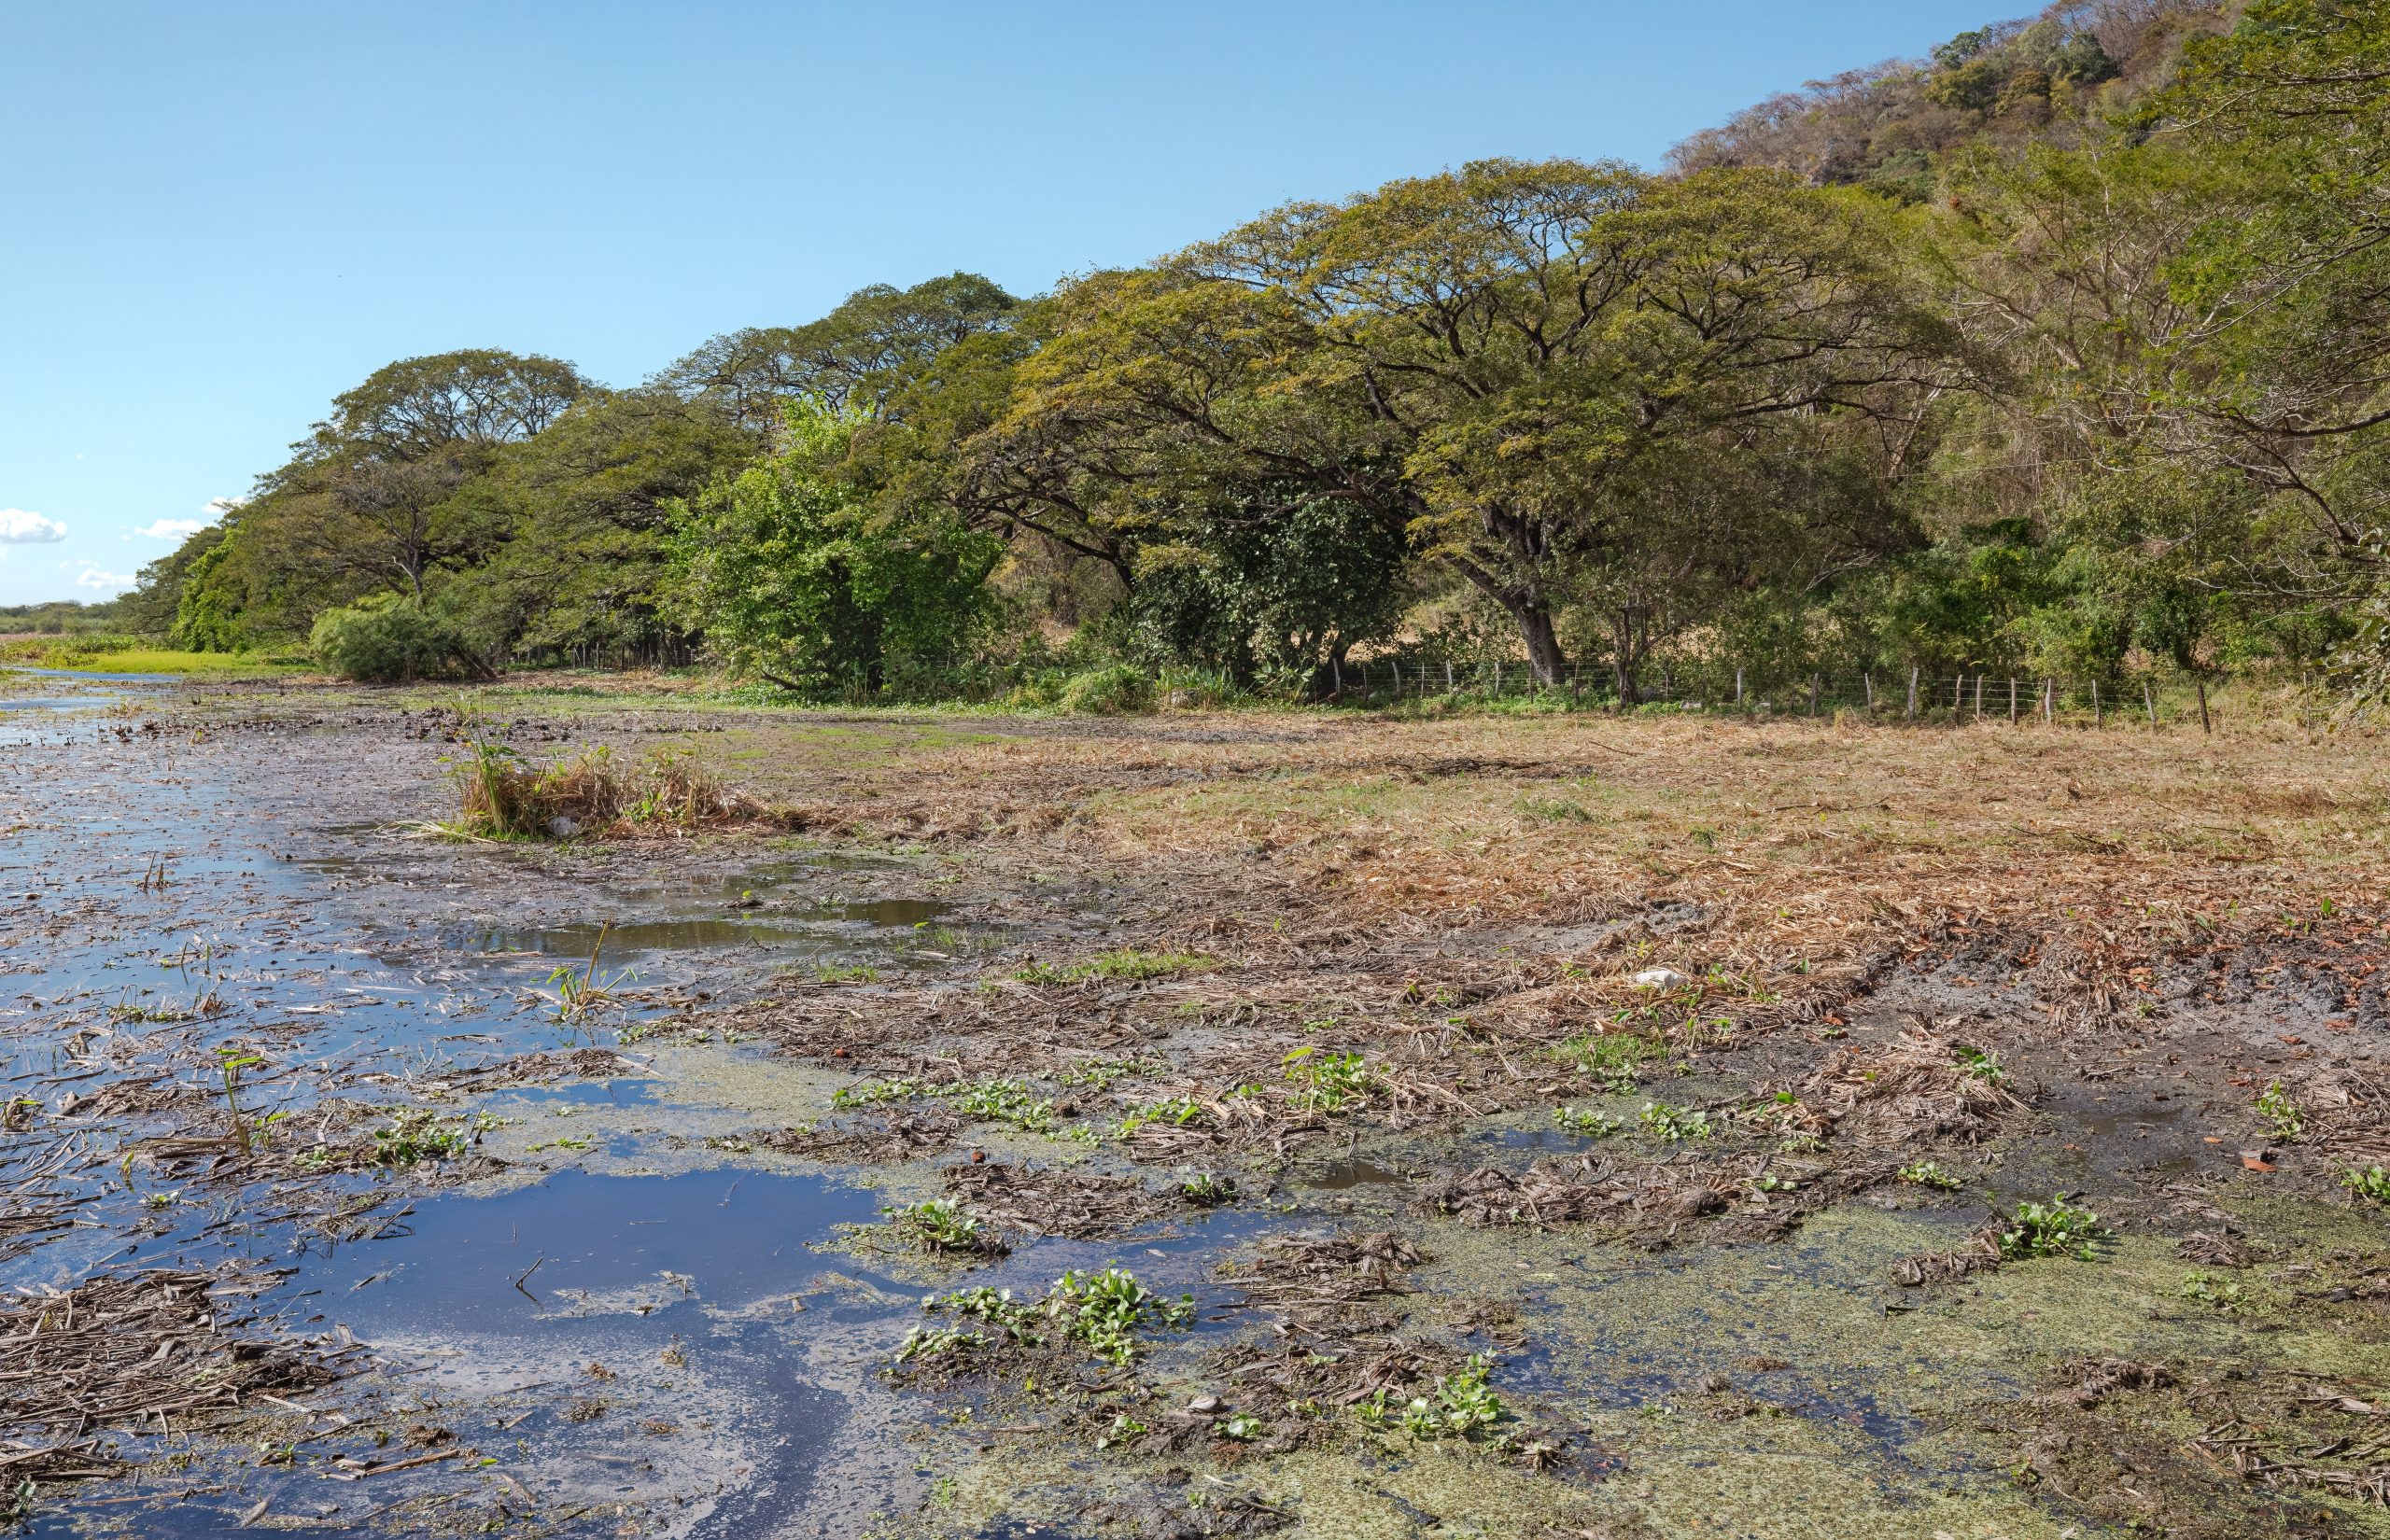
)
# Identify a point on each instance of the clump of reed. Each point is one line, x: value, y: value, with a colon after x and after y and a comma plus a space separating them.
x: 501, y: 795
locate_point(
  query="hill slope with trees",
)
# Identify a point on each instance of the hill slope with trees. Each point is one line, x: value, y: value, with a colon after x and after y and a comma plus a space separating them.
x: 2061, y: 351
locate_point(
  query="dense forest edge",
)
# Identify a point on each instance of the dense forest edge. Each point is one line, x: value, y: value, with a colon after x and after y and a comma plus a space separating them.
x: 2061, y: 355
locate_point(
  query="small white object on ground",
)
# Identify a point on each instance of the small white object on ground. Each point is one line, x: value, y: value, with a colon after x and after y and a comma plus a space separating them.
x: 1660, y: 978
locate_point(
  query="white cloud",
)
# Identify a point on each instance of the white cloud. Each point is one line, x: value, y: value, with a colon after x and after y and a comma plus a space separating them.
x: 217, y: 507
x: 107, y: 582
x: 170, y: 529
x: 19, y: 527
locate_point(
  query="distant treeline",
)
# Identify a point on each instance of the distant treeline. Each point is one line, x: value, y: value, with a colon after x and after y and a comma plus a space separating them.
x: 60, y: 617
x: 2062, y: 353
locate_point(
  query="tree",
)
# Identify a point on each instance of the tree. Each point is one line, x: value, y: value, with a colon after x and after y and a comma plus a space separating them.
x: 796, y: 577
x: 381, y: 495
x: 1551, y: 348
x: 585, y: 505
x: 1274, y: 582
x: 857, y: 355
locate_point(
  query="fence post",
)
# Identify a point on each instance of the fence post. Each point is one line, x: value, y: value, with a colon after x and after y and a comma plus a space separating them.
x: 1448, y: 677
x: 1396, y: 663
x: 1912, y: 692
x: 2150, y: 701
x: 1336, y: 673
x: 2097, y: 719
x: 1739, y: 686
x: 1869, y: 676
x: 1979, y: 679
x: 1497, y: 679
x: 2205, y: 726
x: 1959, y: 695
x: 2049, y: 702
x: 2012, y: 700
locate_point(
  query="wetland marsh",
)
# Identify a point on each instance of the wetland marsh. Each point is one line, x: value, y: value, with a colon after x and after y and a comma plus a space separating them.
x: 1205, y: 1124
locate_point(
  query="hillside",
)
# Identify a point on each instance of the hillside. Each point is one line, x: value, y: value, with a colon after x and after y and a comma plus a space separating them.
x: 1883, y: 126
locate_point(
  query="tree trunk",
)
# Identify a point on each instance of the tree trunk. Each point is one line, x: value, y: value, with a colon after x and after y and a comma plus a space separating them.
x: 1543, y: 644
x: 1529, y: 611
x: 1626, y: 657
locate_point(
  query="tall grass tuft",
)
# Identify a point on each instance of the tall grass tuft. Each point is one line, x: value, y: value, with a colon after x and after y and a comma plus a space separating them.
x: 501, y: 796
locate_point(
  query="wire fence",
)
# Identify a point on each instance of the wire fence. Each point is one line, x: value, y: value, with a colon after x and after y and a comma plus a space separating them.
x: 1913, y: 694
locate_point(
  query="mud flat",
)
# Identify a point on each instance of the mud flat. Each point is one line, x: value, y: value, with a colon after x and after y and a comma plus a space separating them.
x: 1195, y: 1124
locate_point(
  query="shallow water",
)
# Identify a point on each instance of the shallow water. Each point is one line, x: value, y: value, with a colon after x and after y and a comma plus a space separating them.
x: 168, y: 897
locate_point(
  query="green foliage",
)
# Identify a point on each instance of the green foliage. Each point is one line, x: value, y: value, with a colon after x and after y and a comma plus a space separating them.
x: 797, y: 577
x: 1587, y: 1121
x: 1616, y: 1057
x: 1208, y: 1191
x: 386, y: 638
x: 1329, y: 1083
x: 2275, y: 1106
x: 1267, y: 583
x: 2056, y: 1228
x: 415, y: 1135
x: 1743, y: 412
x: 1120, y: 690
x: 2372, y: 1183
x: 1929, y: 1174
x: 941, y: 1225
x: 1176, y: 1111
x: 1980, y: 1063
x: 1675, y: 1125
x: 1462, y: 1405
x: 1106, y: 1310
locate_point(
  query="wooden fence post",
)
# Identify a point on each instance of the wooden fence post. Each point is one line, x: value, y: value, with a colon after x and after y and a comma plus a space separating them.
x: 1739, y: 687
x: 2012, y: 700
x: 1448, y: 677
x: 2049, y: 702
x: 1912, y: 692
x: 2150, y: 701
x: 2096, y: 719
x: 1869, y: 679
x: 2205, y: 726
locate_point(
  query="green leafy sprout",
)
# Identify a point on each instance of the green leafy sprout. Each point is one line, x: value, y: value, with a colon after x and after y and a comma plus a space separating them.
x: 2056, y: 1228
x: 2275, y: 1106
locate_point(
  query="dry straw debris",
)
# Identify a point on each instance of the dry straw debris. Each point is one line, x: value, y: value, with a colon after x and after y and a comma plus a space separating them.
x: 132, y: 1354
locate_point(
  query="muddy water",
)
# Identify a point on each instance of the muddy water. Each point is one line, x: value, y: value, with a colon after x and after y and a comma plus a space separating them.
x: 662, y: 1336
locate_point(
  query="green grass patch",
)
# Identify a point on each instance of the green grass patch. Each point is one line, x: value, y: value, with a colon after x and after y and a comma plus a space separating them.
x: 114, y: 655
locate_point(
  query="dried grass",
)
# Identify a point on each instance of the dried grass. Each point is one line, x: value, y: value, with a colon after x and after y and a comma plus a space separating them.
x: 667, y: 790
x: 1915, y: 1093
x: 133, y: 1354
x: 1814, y: 858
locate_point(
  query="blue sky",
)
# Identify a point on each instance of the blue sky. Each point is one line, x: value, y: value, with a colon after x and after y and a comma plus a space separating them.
x: 214, y: 217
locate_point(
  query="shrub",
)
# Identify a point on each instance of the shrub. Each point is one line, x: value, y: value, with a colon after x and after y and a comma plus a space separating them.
x: 1120, y: 690
x: 383, y: 639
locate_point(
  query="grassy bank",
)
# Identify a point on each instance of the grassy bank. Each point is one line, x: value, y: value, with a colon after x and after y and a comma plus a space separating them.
x: 124, y: 655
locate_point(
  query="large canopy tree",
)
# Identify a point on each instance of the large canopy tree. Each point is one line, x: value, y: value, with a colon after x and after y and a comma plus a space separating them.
x: 1578, y: 365
x: 376, y: 496
x: 857, y: 355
